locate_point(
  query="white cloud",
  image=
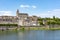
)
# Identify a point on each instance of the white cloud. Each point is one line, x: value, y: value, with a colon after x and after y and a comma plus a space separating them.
x: 49, y: 11
x: 27, y: 6
x: 6, y: 13
x: 24, y: 6
x: 55, y: 12
x: 33, y: 6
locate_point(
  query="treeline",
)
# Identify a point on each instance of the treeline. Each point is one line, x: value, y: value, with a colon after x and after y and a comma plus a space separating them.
x: 8, y: 25
x: 49, y: 21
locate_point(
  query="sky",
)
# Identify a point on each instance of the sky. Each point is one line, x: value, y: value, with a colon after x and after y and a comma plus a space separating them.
x: 41, y: 8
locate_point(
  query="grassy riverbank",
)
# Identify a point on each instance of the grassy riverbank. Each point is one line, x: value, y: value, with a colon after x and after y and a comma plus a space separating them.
x: 32, y: 28
x: 38, y: 28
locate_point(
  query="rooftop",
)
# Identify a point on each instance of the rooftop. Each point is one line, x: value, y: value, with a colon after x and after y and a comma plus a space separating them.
x: 23, y: 14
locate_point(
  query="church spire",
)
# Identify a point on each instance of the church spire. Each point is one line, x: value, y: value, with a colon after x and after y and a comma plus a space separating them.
x: 17, y: 12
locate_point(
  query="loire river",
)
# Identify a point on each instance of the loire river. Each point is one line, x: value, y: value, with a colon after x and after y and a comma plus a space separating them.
x: 31, y: 35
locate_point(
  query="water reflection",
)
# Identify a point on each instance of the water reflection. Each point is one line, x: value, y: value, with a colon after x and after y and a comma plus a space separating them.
x: 31, y: 35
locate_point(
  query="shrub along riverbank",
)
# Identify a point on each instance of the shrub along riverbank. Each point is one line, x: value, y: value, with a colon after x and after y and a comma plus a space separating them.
x: 15, y: 27
x: 32, y: 28
x: 8, y: 25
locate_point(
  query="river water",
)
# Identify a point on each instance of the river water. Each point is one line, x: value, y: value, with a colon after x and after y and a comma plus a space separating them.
x: 30, y: 35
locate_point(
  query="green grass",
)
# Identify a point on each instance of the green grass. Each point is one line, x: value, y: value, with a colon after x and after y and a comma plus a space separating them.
x: 33, y: 28
x: 40, y: 28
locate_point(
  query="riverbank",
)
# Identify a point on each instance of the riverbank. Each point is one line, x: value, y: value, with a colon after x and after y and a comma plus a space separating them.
x: 31, y: 28
x: 37, y: 28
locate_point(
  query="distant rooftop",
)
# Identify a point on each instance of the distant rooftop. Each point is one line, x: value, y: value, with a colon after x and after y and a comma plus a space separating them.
x: 23, y: 13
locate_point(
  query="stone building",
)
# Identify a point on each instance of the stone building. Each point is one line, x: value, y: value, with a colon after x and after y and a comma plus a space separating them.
x: 8, y: 20
x: 22, y: 19
x: 26, y: 20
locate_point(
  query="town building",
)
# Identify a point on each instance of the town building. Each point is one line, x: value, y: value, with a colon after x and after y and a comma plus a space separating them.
x: 22, y: 19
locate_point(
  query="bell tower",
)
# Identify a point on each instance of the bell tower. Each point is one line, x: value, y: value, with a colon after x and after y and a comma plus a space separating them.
x: 17, y: 12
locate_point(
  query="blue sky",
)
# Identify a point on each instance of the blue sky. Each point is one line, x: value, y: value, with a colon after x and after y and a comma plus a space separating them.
x: 43, y: 8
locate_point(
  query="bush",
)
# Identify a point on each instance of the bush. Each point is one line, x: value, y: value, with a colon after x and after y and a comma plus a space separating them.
x: 8, y: 25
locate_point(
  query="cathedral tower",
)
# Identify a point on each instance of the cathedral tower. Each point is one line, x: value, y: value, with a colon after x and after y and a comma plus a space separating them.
x: 17, y: 12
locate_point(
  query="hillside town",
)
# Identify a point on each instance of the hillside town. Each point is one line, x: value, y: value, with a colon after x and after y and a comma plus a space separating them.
x: 22, y: 19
